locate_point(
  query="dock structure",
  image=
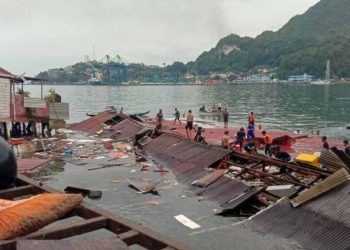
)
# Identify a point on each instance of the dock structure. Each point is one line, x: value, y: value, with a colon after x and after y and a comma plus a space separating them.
x: 17, y: 108
x: 90, y: 219
x: 241, y: 184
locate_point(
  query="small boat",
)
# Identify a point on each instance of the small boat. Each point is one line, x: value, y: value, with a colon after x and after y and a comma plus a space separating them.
x: 91, y: 114
x: 141, y: 114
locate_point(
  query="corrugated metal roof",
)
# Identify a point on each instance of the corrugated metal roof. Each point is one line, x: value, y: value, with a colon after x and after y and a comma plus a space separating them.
x: 93, y: 124
x: 323, y: 223
x: 223, y: 190
x: 25, y: 165
x: 6, y: 74
x: 59, y: 110
x: 123, y: 130
x: 186, y: 158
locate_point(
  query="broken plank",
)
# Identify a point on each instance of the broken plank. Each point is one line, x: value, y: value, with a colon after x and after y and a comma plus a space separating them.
x: 69, y: 231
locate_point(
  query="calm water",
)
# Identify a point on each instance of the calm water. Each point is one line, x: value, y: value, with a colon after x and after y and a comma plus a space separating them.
x: 283, y: 107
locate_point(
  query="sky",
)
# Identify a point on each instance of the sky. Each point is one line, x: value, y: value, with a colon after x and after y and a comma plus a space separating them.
x: 37, y: 35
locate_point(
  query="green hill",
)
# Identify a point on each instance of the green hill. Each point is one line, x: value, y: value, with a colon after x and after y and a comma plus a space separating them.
x: 301, y: 46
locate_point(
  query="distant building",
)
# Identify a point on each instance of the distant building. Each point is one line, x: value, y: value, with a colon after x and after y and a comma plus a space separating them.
x: 189, y: 76
x: 301, y: 78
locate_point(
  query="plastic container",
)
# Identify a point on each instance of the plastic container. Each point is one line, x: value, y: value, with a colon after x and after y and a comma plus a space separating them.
x: 309, y: 158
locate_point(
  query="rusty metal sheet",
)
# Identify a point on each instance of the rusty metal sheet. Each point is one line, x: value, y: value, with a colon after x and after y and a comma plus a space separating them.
x: 123, y: 130
x: 181, y: 155
x: 93, y: 124
x: 240, y: 199
x: 323, y: 223
x: 25, y: 165
x: 210, y: 178
x: 71, y: 244
x: 143, y: 185
x: 223, y: 190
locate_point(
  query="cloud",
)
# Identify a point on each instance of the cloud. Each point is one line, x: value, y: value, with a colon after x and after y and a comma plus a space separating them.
x: 41, y: 34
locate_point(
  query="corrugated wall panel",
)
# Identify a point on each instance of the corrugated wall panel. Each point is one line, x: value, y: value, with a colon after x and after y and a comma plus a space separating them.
x: 30, y: 102
x: 59, y: 111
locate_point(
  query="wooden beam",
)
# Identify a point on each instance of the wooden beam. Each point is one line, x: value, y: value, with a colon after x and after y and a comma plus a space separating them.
x: 11, y: 193
x: 274, y: 177
x: 66, y: 231
x: 293, y: 167
x: 129, y: 237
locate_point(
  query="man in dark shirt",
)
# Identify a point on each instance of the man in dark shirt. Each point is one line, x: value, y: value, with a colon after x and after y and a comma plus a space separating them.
x: 225, y: 115
x: 250, y: 147
x: 325, y: 143
x: 160, y: 118
x: 347, y: 147
x: 198, y: 137
x: 240, y: 138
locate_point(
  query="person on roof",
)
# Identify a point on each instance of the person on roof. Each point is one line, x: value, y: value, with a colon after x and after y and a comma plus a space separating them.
x: 280, y: 155
x: 225, y: 140
x: 325, y: 142
x: 198, y: 137
x: 177, y: 116
x: 159, y: 117
x: 250, y: 147
x: 240, y: 138
x: 189, y: 124
x: 268, y: 142
x: 250, y: 131
x: 251, y: 119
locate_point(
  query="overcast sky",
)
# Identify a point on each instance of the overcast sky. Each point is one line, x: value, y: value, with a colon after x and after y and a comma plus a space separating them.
x: 40, y: 34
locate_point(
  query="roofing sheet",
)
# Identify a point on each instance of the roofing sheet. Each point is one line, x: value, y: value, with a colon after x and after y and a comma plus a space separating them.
x: 93, y: 124
x: 186, y: 158
x: 323, y: 223
x: 224, y: 190
x: 25, y: 165
x: 124, y: 130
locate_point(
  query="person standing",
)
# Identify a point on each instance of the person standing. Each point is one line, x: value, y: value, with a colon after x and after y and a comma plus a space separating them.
x: 160, y: 118
x: 189, y: 124
x: 251, y: 119
x: 268, y: 142
x: 347, y: 147
x: 225, y: 115
x: 225, y: 140
x: 325, y: 142
x: 240, y: 138
x: 177, y: 116
x: 250, y: 131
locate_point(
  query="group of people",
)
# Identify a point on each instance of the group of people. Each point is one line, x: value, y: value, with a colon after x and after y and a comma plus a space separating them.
x: 239, y: 138
x: 325, y: 145
x: 251, y: 145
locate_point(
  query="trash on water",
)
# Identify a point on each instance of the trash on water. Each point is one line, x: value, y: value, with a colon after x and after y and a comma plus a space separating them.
x: 142, y: 185
x: 92, y: 194
x: 186, y: 221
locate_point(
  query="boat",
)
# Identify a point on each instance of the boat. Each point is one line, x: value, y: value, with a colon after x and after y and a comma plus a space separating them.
x: 327, y: 78
x: 91, y: 114
x: 141, y: 114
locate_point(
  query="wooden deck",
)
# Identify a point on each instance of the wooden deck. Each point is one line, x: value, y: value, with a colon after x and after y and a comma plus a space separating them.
x: 90, y: 219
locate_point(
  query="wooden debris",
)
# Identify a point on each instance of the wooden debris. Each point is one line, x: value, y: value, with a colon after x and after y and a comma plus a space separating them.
x: 143, y: 185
